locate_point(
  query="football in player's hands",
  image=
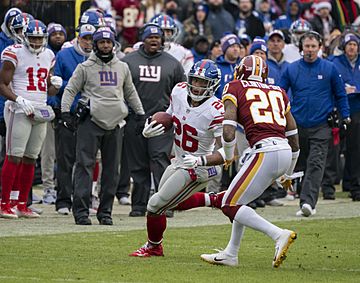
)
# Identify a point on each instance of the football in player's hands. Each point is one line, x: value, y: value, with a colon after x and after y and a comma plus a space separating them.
x: 163, y: 118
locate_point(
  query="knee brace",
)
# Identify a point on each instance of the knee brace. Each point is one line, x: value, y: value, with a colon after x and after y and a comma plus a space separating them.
x: 230, y: 211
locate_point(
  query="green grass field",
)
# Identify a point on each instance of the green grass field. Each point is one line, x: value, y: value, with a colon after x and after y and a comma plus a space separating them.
x: 325, y: 251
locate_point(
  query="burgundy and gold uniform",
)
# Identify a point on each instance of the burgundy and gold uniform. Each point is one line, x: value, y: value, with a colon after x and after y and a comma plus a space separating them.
x: 261, y: 108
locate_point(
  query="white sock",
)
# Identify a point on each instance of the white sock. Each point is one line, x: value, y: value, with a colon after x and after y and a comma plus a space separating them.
x: 207, y: 200
x: 248, y: 217
x: 14, y: 195
x: 237, y: 231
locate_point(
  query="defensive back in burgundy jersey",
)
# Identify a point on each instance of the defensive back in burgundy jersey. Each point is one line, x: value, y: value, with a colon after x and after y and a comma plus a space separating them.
x: 261, y: 108
x: 195, y: 127
x: 31, y: 72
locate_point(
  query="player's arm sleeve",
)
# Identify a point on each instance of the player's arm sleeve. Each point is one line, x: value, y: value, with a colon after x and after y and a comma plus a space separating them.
x: 338, y: 88
x: 9, y: 54
x: 75, y: 85
x: 188, y: 62
x: 130, y: 93
x: 286, y: 102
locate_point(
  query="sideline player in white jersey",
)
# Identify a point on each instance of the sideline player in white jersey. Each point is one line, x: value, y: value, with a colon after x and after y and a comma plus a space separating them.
x: 197, y: 116
x: 25, y: 81
x: 183, y: 55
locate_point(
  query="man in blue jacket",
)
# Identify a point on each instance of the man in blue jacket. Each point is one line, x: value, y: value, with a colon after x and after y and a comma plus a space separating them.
x: 315, y: 86
x: 293, y: 12
x: 230, y: 45
x: 65, y: 139
x: 348, y: 65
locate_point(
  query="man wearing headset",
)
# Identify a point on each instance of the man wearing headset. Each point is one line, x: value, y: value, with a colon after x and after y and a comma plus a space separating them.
x: 154, y: 73
x: 316, y: 86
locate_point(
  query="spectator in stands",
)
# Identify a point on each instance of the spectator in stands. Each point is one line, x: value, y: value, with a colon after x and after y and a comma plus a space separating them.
x: 215, y: 50
x: 293, y: 12
x: 200, y: 50
x: 348, y: 65
x: 248, y: 21
x: 265, y: 14
x: 276, y: 61
x: 259, y: 48
x: 65, y: 138
x: 315, y: 87
x: 154, y: 74
x: 345, y: 12
x: 322, y: 21
x: 230, y: 45
x: 197, y: 25
x: 219, y: 19
x: 57, y: 37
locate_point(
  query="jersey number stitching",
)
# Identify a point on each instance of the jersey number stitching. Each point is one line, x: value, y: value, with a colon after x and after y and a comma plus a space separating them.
x: 41, y: 75
x: 259, y: 109
x: 187, y: 132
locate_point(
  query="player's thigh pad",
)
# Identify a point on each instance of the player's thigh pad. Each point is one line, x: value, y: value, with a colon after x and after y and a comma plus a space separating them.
x: 36, y: 139
x: 257, y: 173
x: 18, y: 132
x: 176, y: 187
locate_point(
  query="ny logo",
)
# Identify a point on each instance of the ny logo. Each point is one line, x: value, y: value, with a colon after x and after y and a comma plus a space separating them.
x: 150, y: 73
x: 108, y: 78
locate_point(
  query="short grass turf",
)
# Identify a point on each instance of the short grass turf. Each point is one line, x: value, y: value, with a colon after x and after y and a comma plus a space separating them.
x: 325, y: 251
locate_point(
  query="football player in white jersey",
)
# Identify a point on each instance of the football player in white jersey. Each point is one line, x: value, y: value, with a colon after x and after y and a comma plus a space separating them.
x: 183, y: 55
x: 25, y: 81
x: 197, y: 117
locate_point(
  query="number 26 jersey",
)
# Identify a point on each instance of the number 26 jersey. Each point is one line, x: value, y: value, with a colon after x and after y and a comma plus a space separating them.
x: 31, y: 72
x: 261, y: 108
x: 196, y: 128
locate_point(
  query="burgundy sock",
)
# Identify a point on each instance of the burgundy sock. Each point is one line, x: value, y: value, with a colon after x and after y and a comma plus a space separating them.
x: 8, y: 176
x: 156, y: 225
x: 196, y: 200
x: 16, y: 186
x: 96, y: 171
x: 26, y: 180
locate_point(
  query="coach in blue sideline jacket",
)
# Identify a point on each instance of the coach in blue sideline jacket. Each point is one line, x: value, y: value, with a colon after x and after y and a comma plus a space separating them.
x: 348, y: 65
x: 65, y: 141
x: 316, y: 87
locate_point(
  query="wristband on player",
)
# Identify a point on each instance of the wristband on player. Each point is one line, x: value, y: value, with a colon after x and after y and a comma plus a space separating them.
x: 229, y: 148
x: 291, y: 133
x: 230, y: 122
x: 203, y: 161
x: 294, y: 159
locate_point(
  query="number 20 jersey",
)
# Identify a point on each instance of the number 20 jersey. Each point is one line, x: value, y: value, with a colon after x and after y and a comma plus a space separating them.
x: 31, y: 72
x: 195, y: 127
x: 261, y: 108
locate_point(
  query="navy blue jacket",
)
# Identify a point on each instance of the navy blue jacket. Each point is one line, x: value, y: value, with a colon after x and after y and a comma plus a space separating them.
x: 5, y: 41
x: 350, y: 76
x: 275, y: 70
x: 315, y: 89
x: 227, y: 73
x: 67, y: 60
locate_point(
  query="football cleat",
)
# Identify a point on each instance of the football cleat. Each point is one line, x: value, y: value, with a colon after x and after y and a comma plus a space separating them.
x: 282, y: 245
x: 148, y: 250
x: 220, y: 258
x: 23, y: 211
x: 7, y: 212
x: 216, y: 199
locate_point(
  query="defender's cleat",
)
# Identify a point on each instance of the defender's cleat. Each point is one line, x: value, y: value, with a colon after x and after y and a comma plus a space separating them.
x: 282, y: 245
x: 7, y: 212
x: 148, y: 250
x: 220, y: 258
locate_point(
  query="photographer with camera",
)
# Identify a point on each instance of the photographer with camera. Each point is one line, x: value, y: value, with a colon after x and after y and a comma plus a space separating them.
x: 106, y: 83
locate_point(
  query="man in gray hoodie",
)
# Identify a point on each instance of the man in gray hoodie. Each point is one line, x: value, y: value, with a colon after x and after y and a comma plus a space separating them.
x: 105, y: 84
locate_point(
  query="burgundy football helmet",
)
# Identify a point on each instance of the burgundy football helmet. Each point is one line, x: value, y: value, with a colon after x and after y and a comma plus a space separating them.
x: 251, y: 68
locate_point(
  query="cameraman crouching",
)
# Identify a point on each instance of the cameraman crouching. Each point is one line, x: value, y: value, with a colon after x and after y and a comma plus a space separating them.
x: 106, y: 84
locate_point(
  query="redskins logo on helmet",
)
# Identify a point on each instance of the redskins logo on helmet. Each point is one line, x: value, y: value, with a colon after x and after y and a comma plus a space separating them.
x: 251, y: 68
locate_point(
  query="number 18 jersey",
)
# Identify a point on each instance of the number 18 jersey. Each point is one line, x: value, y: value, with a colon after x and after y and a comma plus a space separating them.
x: 195, y: 127
x: 261, y: 108
x: 31, y: 72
